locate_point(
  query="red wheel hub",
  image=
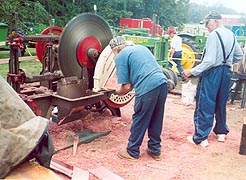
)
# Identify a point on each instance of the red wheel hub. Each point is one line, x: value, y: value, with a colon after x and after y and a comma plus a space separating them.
x: 82, y: 50
x: 40, y: 46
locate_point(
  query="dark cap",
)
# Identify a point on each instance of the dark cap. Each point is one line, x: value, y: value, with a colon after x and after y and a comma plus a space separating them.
x: 211, y: 15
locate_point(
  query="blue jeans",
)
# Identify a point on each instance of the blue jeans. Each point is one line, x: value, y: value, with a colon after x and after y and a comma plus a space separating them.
x: 211, y: 99
x: 178, y: 54
x: 148, y: 115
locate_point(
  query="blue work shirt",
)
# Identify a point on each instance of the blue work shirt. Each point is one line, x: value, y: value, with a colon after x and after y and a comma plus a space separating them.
x: 213, y: 54
x: 137, y: 65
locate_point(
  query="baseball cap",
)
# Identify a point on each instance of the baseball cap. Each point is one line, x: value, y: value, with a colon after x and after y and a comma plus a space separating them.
x: 170, y: 31
x: 117, y: 41
x: 211, y: 15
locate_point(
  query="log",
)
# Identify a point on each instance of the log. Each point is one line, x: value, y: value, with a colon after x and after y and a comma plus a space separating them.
x: 25, y: 58
x: 2, y: 43
x: 242, y: 149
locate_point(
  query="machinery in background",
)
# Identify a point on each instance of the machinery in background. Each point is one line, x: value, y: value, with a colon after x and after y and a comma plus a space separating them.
x: 3, y: 35
x: 193, y: 44
x: 143, y: 29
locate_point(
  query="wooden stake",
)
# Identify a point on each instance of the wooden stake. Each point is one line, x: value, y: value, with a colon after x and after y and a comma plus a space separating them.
x: 242, y: 149
x: 75, y: 144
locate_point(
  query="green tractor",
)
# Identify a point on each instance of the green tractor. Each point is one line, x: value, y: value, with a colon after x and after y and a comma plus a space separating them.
x: 192, y: 47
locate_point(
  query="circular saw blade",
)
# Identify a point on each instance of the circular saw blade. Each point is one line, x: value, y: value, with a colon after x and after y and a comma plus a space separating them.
x: 78, y: 29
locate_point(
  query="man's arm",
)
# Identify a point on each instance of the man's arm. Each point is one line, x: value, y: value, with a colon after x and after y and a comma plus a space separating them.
x: 237, y: 56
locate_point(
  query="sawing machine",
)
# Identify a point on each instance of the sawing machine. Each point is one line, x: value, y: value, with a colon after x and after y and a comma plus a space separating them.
x: 76, y: 64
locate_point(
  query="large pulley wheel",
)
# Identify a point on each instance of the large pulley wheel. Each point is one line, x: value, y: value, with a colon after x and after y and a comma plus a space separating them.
x: 84, y: 34
x: 40, y: 46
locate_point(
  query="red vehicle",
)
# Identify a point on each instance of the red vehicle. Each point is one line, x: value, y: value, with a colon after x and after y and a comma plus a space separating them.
x: 145, y: 23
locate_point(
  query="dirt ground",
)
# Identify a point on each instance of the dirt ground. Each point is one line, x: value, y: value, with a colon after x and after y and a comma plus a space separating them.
x: 181, y: 160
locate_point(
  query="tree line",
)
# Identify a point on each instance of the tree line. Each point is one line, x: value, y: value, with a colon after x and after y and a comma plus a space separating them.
x: 169, y: 12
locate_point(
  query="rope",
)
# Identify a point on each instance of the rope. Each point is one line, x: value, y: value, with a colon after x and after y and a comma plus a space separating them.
x: 29, y: 52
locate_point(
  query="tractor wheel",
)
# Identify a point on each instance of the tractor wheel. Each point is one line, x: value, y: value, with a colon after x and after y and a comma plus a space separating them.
x: 190, y: 53
x: 172, y: 78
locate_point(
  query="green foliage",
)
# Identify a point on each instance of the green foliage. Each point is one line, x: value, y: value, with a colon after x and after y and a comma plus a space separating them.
x: 27, y: 11
x: 169, y: 12
x: 114, y: 12
x: 173, y: 13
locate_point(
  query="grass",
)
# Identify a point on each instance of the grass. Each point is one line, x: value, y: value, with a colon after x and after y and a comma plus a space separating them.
x: 31, y: 67
x: 4, y: 54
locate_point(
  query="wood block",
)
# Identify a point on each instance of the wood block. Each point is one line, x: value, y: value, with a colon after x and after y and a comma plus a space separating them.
x: 61, y: 167
x: 104, y: 174
x: 31, y: 170
x: 79, y: 174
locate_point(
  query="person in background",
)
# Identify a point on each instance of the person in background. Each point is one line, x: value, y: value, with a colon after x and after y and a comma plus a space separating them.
x: 221, y: 51
x: 138, y: 69
x: 176, y: 51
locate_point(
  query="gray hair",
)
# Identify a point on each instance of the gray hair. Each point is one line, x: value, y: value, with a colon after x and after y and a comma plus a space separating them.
x: 117, y: 41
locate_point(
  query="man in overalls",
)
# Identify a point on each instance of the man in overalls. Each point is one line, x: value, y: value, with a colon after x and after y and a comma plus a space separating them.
x: 221, y: 51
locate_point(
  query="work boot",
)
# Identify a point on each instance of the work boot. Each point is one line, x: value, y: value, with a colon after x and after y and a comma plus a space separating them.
x: 125, y: 155
x: 155, y: 157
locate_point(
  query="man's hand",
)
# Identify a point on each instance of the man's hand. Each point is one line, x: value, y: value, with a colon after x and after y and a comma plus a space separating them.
x: 124, y: 88
x: 187, y: 73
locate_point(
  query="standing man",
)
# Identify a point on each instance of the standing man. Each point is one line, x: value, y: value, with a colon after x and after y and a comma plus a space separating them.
x: 221, y: 51
x: 176, y: 51
x: 138, y: 69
